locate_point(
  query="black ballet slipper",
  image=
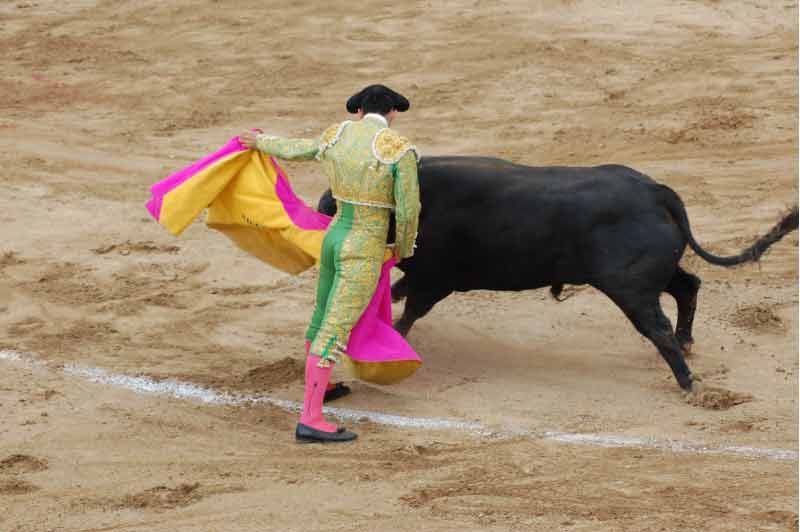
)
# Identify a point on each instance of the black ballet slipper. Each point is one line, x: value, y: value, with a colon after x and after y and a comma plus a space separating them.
x: 306, y: 434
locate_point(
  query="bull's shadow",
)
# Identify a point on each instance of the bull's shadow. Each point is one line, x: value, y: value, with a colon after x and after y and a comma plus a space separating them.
x: 490, y: 224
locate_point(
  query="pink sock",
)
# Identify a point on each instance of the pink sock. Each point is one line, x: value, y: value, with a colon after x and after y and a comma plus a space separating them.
x: 330, y: 385
x: 316, y: 383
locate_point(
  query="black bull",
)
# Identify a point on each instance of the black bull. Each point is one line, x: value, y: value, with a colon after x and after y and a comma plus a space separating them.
x: 490, y: 224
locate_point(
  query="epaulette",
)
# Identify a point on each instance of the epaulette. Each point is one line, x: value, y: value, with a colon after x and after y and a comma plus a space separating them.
x: 389, y: 147
x: 330, y: 136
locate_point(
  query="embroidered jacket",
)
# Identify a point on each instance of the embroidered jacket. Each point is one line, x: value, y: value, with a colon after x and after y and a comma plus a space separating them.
x: 367, y: 164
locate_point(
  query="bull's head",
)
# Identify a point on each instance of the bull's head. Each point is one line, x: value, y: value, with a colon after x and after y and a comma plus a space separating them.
x: 327, y: 205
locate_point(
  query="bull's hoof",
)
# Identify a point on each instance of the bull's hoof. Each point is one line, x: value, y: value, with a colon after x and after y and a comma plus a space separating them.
x: 689, y: 383
x: 696, y: 386
x: 686, y: 347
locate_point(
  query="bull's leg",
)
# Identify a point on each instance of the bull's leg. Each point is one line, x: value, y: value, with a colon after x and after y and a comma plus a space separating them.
x: 419, y: 301
x: 683, y: 287
x: 400, y: 289
x: 645, y: 313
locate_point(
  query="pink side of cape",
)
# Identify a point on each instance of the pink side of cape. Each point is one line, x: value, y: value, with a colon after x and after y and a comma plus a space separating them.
x: 301, y: 214
x: 373, y: 339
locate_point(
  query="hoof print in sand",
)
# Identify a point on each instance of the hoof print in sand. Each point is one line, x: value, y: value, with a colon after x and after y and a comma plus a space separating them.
x: 22, y: 463
x: 162, y: 497
x: 758, y: 318
x: 10, y: 258
x: 714, y: 398
x: 166, y: 498
x: 16, y: 487
x: 128, y: 247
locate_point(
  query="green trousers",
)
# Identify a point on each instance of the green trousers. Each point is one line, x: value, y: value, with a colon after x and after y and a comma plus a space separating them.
x: 350, y: 265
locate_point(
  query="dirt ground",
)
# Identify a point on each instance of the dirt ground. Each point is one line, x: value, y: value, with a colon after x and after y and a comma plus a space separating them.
x: 99, y: 99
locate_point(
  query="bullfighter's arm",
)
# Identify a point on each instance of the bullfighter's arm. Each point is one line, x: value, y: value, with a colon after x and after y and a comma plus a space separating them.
x: 407, y: 205
x: 300, y: 149
x: 291, y: 149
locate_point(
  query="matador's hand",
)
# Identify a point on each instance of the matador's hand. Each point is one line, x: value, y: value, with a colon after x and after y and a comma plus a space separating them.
x: 248, y: 138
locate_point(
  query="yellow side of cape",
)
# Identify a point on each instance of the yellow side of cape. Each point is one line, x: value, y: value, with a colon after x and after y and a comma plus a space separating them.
x: 240, y: 194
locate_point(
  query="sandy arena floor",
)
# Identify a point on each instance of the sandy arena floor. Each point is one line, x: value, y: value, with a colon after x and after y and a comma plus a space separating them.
x: 99, y: 99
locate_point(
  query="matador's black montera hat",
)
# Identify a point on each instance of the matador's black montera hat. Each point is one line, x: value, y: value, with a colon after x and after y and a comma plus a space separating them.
x: 377, y: 92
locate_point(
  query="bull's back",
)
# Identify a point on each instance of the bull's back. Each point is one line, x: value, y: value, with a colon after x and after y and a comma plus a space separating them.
x: 503, y: 226
x: 489, y: 180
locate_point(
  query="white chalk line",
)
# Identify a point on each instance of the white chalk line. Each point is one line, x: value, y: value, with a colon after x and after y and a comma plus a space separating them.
x: 192, y: 392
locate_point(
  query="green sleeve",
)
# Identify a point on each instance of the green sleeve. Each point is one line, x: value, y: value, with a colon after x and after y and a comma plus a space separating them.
x: 291, y: 149
x: 407, y: 205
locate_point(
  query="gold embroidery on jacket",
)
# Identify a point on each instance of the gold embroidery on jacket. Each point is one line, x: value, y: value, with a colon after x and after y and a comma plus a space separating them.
x: 331, y: 136
x: 388, y: 147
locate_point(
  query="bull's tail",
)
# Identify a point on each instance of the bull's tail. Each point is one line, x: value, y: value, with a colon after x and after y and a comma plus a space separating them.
x: 674, y: 204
